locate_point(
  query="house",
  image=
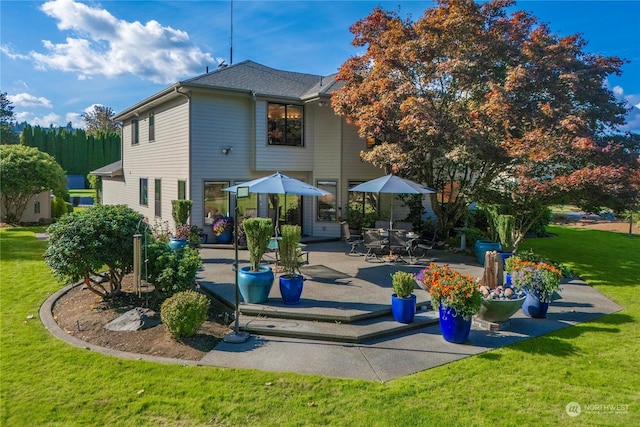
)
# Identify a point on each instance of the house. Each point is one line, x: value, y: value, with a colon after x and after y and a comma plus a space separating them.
x: 38, y: 210
x: 232, y: 125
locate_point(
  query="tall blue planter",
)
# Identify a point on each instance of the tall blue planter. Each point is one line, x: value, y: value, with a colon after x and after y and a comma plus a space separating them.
x: 291, y: 288
x: 255, y: 286
x: 505, y: 256
x: 225, y: 237
x: 403, y: 309
x: 533, y: 307
x: 483, y: 246
x: 454, y: 328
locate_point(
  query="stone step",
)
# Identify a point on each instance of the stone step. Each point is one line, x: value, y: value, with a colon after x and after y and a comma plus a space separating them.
x: 336, y: 331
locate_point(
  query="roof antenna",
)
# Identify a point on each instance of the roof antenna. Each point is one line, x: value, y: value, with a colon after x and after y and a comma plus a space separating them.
x: 231, y: 35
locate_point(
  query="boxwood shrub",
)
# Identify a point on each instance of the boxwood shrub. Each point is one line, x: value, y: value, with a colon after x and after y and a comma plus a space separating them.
x: 184, y: 313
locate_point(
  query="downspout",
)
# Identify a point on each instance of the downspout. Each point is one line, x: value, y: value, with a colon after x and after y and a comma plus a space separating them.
x: 190, y: 180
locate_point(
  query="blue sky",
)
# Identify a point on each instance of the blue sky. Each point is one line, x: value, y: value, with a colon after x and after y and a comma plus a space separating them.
x: 59, y: 58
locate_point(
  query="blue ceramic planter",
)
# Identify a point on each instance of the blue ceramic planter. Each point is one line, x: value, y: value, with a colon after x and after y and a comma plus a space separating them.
x: 177, y: 245
x: 483, y: 246
x: 291, y: 288
x: 505, y: 256
x: 454, y: 328
x: 255, y: 285
x: 533, y: 307
x: 403, y: 309
x: 225, y: 237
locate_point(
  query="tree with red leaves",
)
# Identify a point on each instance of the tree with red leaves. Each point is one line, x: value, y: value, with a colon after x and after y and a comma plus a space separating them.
x: 490, y: 107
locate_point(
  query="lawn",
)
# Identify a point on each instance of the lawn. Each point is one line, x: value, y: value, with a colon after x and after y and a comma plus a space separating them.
x: 47, y: 382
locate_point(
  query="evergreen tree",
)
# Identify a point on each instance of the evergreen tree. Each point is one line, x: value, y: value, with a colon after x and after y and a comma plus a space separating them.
x: 7, y: 121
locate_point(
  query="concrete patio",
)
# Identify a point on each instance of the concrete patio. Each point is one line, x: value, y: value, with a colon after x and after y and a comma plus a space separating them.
x: 343, y: 327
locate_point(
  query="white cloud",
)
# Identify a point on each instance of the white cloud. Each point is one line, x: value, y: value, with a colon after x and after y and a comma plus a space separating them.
x: 103, y: 45
x: 631, y: 101
x: 7, y: 50
x: 27, y: 100
x: 76, y: 119
x: 51, y: 119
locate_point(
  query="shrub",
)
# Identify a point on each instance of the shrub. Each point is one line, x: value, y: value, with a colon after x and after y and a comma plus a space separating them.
x: 184, y: 313
x: 171, y: 271
x: 180, y: 211
x: 60, y: 207
x: 403, y: 283
x: 82, y: 244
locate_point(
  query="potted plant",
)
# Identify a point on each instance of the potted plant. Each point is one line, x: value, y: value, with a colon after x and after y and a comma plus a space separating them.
x: 223, y: 229
x: 539, y: 280
x: 458, y: 299
x: 289, y: 252
x: 180, y: 211
x: 506, y: 233
x: 403, y: 300
x: 492, y: 242
x: 255, y: 280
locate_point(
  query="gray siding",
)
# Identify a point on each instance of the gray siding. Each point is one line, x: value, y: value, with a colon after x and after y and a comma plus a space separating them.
x: 280, y: 157
x: 223, y: 121
x: 166, y: 158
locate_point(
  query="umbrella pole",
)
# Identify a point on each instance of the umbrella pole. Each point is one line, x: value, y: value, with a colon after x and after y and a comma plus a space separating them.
x: 236, y: 337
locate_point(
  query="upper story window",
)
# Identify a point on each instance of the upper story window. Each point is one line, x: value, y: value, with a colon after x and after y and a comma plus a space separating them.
x: 135, y: 132
x: 285, y: 124
x: 152, y: 127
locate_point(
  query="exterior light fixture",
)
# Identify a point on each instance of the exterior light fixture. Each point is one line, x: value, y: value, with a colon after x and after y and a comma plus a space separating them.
x: 226, y: 150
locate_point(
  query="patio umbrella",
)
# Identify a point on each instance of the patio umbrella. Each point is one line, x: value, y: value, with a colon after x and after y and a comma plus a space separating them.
x: 272, y: 184
x: 279, y: 184
x: 394, y: 185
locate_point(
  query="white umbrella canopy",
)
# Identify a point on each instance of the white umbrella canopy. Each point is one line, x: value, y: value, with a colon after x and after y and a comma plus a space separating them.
x: 392, y: 184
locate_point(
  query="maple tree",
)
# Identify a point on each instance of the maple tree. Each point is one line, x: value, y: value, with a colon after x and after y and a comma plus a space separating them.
x: 487, y: 106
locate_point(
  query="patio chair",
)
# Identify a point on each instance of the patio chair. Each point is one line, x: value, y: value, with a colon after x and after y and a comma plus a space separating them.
x: 402, y: 225
x: 382, y: 224
x: 399, y: 245
x: 374, y: 244
x: 355, y: 240
x: 420, y: 247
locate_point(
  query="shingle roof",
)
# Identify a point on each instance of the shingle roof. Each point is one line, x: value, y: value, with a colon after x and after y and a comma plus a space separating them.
x: 111, y: 170
x: 249, y: 77
x: 262, y: 80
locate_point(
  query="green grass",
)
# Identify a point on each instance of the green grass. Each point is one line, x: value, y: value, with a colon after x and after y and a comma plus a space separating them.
x: 46, y: 382
x: 82, y: 193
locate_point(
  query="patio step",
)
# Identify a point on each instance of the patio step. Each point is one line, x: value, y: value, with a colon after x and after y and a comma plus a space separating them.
x: 364, y: 330
x: 337, y: 319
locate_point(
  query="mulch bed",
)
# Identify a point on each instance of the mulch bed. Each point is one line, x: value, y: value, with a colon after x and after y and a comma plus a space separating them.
x: 83, y: 314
